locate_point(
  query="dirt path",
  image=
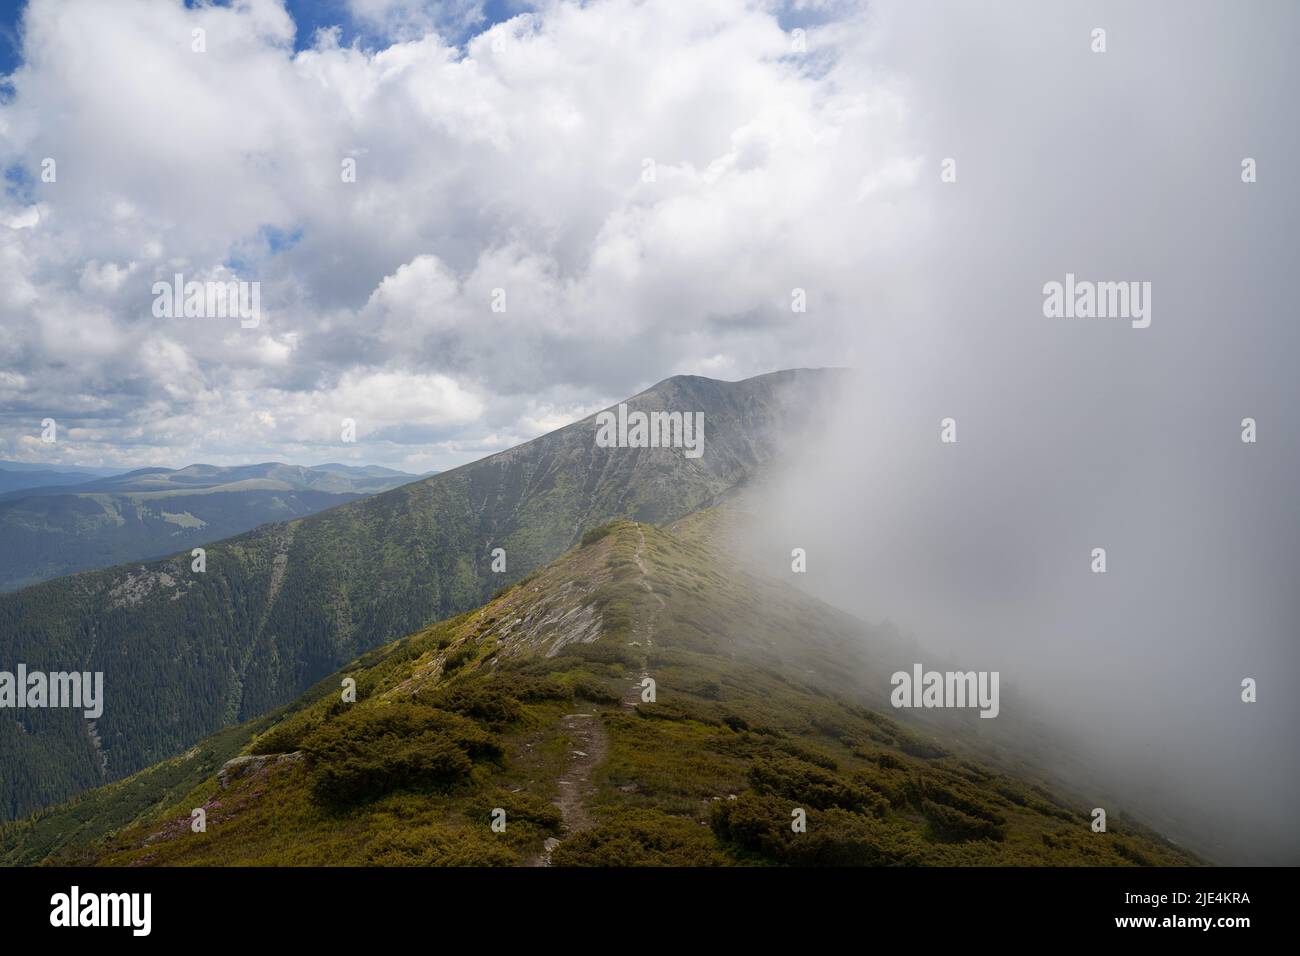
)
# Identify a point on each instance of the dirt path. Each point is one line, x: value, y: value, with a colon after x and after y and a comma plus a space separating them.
x: 589, y: 741
x: 588, y: 748
x: 646, y: 630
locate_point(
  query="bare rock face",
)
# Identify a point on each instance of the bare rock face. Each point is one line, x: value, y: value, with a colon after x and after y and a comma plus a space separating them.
x: 242, y: 766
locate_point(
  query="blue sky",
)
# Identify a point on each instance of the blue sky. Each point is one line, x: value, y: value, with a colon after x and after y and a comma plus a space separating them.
x: 309, y: 15
x: 9, y: 14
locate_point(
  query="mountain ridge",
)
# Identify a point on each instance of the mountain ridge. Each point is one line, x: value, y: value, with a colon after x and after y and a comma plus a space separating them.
x: 283, y: 604
x: 534, y: 706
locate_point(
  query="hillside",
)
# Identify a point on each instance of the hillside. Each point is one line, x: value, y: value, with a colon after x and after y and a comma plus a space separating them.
x: 214, y: 479
x: 185, y: 654
x: 56, y: 530
x: 13, y: 480
x: 766, y: 701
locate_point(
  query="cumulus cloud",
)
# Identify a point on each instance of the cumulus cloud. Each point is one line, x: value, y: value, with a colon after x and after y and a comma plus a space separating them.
x: 644, y: 183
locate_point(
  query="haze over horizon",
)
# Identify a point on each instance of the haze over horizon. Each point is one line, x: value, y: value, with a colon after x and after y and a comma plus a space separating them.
x: 56, y: 466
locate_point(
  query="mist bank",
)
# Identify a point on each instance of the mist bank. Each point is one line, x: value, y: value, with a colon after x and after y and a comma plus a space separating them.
x: 1125, y: 684
x: 1083, y: 428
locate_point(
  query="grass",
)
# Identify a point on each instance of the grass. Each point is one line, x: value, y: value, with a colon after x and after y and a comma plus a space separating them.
x: 760, y: 713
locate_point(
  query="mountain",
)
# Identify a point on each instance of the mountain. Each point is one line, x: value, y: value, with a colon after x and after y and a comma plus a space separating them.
x: 213, y: 479
x: 766, y: 702
x: 84, y: 470
x: 366, y: 471
x: 184, y: 654
x: 14, y: 478
x: 55, y: 530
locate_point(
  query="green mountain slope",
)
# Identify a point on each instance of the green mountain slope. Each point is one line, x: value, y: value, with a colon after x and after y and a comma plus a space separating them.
x: 151, y: 512
x: 766, y: 702
x: 52, y: 535
x: 15, y: 481
x: 185, y: 653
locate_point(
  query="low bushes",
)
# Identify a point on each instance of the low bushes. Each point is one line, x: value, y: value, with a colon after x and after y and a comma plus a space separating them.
x: 760, y: 826
x: 809, y: 785
x: 365, y: 753
x: 640, y: 838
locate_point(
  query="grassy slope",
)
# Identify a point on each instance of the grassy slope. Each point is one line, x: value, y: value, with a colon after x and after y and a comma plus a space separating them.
x: 278, y: 608
x: 759, y: 711
x: 52, y: 535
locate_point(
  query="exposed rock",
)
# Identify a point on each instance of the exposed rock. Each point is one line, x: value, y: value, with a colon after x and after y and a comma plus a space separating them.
x: 239, y: 767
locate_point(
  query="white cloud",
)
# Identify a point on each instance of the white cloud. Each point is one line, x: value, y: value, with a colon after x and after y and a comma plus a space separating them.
x: 512, y: 162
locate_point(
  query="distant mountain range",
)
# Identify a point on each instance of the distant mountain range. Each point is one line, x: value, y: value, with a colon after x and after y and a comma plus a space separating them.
x: 185, y: 654
x: 268, y: 476
x: 76, y: 521
x: 16, y: 475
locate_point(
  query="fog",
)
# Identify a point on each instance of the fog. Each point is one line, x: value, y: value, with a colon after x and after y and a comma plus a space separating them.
x: 1082, y: 433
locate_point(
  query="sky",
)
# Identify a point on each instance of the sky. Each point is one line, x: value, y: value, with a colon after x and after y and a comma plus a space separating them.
x: 644, y: 182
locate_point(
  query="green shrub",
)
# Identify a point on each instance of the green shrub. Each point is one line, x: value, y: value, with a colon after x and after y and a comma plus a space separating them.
x: 600, y: 652
x: 285, y: 737
x: 735, y: 722
x: 436, y: 845
x: 951, y: 824
x: 488, y: 703
x: 526, y: 808
x: 595, y: 534
x: 761, y: 826
x: 809, y: 785
x: 534, y: 689
x: 640, y: 838
x: 594, y: 691
x: 916, y: 747
x: 959, y: 796
x: 679, y: 709
x: 807, y: 754
x: 368, y: 752
x: 458, y: 658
